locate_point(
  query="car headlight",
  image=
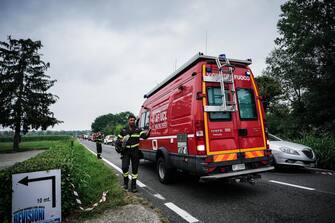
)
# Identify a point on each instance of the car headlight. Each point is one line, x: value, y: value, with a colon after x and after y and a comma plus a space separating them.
x: 289, y: 150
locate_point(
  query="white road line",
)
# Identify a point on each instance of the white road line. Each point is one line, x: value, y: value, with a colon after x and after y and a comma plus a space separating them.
x: 292, y: 185
x: 182, y: 213
x: 139, y: 183
x: 159, y: 196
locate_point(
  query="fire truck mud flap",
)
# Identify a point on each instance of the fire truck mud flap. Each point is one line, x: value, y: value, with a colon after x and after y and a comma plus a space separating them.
x: 236, y: 174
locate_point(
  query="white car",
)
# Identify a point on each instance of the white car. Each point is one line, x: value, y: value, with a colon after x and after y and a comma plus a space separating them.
x: 109, y: 139
x: 289, y: 153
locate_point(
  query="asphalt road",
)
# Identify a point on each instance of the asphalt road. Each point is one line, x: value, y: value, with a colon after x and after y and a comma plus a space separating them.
x: 288, y: 195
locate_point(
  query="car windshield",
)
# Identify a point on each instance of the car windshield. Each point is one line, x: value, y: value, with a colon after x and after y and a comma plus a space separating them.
x: 274, y: 138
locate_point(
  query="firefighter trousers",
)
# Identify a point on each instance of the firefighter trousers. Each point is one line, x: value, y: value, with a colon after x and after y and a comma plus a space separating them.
x: 99, y: 149
x: 130, y: 155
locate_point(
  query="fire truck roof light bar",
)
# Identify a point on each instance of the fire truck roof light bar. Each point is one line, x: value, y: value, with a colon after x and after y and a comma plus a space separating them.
x: 193, y: 60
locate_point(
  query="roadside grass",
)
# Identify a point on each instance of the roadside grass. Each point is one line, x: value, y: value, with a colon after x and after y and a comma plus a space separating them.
x: 7, y: 147
x: 93, y: 177
x: 90, y: 176
x: 37, y: 138
x: 324, y: 148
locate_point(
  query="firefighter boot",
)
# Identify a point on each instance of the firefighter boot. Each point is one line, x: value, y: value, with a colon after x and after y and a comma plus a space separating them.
x: 125, y: 183
x: 133, y: 186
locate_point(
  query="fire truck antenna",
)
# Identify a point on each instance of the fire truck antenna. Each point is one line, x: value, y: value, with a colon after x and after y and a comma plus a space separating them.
x: 206, y: 43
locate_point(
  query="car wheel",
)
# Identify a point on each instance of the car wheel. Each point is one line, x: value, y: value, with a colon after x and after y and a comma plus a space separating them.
x: 165, y: 175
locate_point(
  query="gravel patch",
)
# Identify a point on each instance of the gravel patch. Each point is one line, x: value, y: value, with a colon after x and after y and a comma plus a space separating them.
x: 128, y: 213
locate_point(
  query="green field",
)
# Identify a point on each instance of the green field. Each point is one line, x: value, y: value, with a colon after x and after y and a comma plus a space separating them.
x: 90, y: 176
x: 7, y: 147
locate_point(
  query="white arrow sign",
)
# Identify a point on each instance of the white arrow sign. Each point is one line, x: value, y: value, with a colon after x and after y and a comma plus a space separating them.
x: 36, y: 197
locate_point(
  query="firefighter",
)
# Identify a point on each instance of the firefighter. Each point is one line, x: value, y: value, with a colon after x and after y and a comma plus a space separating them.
x: 99, y: 139
x: 127, y: 144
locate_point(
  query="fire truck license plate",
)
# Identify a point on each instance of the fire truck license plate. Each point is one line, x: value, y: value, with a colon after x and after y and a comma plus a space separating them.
x: 238, y: 167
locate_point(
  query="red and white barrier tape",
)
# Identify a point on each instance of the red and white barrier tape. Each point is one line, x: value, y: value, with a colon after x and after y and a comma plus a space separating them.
x: 75, y: 193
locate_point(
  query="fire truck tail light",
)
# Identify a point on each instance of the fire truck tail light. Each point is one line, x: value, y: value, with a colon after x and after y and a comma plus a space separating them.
x: 200, y: 148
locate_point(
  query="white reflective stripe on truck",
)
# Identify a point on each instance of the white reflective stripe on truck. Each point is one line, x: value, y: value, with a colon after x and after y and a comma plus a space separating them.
x: 168, y: 137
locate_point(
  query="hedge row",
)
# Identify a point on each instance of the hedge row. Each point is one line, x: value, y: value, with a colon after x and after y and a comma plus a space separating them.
x: 324, y: 149
x: 90, y: 176
x: 35, y: 138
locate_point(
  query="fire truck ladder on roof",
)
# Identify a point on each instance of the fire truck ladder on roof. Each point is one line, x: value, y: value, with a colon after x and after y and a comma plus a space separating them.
x: 224, y: 76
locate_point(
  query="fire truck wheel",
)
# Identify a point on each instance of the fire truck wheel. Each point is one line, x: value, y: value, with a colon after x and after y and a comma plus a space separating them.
x: 165, y: 174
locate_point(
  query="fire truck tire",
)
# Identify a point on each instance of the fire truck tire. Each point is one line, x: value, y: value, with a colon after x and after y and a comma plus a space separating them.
x: 165, y: 175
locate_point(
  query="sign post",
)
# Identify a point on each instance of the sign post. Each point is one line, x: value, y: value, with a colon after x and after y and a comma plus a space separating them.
x: 36, y: 197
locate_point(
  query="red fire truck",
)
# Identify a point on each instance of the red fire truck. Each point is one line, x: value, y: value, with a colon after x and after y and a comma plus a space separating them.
x: 206, y: 119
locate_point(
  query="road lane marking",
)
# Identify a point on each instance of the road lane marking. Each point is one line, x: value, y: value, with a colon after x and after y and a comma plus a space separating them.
x: 292, y: 185
x: 159, y: 196
x: 182, y: 213
x: 139, y: 183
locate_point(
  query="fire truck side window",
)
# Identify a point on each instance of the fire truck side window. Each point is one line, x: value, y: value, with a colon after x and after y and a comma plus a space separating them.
x: 246, y: 103
x: 142, y: 123
x: 215, y: 98
x: 145, y: 118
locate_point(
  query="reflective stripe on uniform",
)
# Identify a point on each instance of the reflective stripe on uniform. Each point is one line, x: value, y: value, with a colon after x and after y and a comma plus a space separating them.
x: 120, y: 136
x: 134, y: 176
x: 143, y: 132
x: 133, y: 146
x: 135, y: 136
x: 125, y: 174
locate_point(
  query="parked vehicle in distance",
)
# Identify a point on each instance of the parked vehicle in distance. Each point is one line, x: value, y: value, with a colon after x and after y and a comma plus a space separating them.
x: 109, y: 140
x: 289, y: 153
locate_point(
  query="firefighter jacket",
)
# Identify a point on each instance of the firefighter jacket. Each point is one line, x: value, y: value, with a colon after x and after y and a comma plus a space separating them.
x: 131, y: 138
x: 99, y: 138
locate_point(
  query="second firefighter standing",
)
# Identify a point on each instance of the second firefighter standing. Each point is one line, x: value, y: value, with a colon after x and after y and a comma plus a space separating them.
x: 127, y: 144
x: 99, y: 138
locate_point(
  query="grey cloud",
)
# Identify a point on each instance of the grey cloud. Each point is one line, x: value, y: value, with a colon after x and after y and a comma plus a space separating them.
x: 107, y: 54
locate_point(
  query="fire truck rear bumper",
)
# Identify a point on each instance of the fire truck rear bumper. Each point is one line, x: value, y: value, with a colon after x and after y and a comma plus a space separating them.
x: 237, y: 173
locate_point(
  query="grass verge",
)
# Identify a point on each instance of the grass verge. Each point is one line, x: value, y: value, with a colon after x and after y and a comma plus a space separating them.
x: 7, y: 147
x: 324, y: 149
x: 89, y: 175
x: 36, y: 138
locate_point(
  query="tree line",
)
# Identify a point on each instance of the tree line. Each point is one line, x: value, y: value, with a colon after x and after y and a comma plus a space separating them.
x: 110, y: 124
x: 298, y: 84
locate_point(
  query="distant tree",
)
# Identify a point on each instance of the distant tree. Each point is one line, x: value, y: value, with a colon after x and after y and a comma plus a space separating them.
x: 23, y: 88
x: 304, y: 62
x: 108, y: 124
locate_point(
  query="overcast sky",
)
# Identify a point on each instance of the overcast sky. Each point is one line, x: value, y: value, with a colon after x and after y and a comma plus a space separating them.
x: 105, y: 55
